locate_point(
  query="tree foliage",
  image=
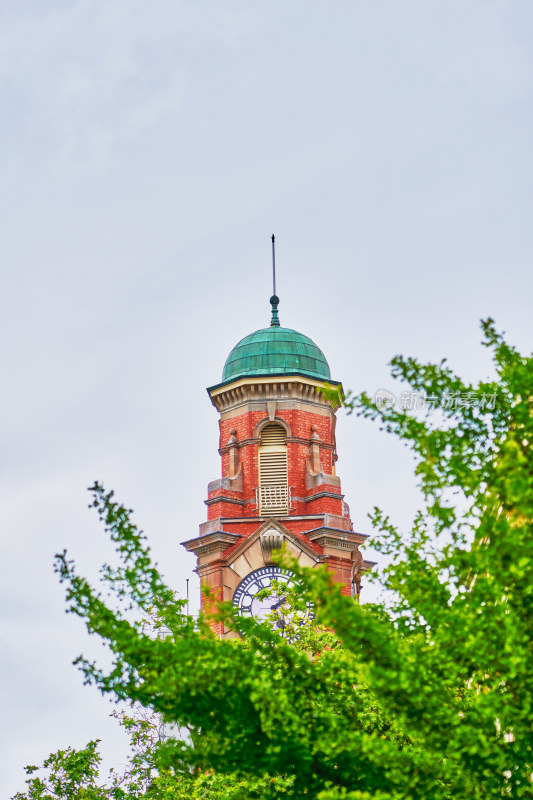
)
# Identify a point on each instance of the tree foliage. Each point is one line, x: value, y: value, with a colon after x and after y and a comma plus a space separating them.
x: 429, y: 693
x: 76, y: 774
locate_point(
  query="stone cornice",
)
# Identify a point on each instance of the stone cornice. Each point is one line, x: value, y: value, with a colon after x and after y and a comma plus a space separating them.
x: 223, y: 499
x: 318, y: 495
x: 259, y: 520
x: 211, y: 542
x: 293, y: 387
x: 335, y: 538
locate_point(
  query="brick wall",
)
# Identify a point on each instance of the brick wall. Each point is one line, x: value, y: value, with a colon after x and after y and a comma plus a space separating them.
x: 300, y: 424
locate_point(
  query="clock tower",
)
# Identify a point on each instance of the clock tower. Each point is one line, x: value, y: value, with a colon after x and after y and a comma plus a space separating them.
x: 278, y: 484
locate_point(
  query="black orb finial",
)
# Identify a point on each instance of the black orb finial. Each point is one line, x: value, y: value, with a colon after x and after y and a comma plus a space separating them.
x: 274, y: 302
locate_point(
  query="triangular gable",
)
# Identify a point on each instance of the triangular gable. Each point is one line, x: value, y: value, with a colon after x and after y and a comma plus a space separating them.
x: 274, y: 524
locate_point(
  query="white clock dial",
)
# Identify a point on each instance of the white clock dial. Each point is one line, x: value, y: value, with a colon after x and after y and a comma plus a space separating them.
x: 245, y: 597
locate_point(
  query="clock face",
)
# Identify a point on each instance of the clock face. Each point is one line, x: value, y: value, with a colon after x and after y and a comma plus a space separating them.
x: 245, y: 597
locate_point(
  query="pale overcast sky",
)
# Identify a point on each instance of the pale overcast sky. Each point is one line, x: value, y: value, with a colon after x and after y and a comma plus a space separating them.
x: 149, y: 150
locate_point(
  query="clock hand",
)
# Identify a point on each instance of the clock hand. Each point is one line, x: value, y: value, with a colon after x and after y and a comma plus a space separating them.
x: 278, y: 604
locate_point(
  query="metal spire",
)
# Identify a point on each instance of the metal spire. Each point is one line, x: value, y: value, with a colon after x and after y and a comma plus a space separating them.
x: 274, y: 265
x: 274, y: 300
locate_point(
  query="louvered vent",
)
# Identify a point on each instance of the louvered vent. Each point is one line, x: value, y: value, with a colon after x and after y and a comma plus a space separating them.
x: 273, y: 477
x: 273, y: 436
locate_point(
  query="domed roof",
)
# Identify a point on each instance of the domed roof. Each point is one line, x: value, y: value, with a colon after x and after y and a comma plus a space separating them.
x: 275, y: 351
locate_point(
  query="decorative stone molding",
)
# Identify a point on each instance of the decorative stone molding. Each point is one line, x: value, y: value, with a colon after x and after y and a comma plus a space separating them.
x: 318, y: 495
x: 321, y: 479
x: 271, y: 540
x: 271, y: 388
x: 235, y: 466
x: 335, y: 539
x: 313, y: 463
x: 221, y: 498
x: 314, y: 471
x: 224, y: 484
x: 271, y: 526
x: 254, y: 518
x: 210, y: 543
x: 289, y: 440
x: 264, y: 422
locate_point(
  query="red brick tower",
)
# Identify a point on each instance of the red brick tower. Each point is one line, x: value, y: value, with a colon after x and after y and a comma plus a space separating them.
x: 278, y: 484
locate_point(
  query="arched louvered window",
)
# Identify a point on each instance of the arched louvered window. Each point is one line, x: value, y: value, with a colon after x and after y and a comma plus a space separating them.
x: 273, y: 494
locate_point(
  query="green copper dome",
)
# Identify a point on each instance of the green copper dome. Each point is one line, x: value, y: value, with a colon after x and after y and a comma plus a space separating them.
x: 275, y: 351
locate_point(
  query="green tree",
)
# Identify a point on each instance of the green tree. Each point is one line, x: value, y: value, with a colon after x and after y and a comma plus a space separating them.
x: 76, y: 774
x: 429, y: 694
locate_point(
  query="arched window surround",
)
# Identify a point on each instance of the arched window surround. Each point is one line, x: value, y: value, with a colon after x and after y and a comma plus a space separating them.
x: 272, y: 465
x: 267, y: 421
